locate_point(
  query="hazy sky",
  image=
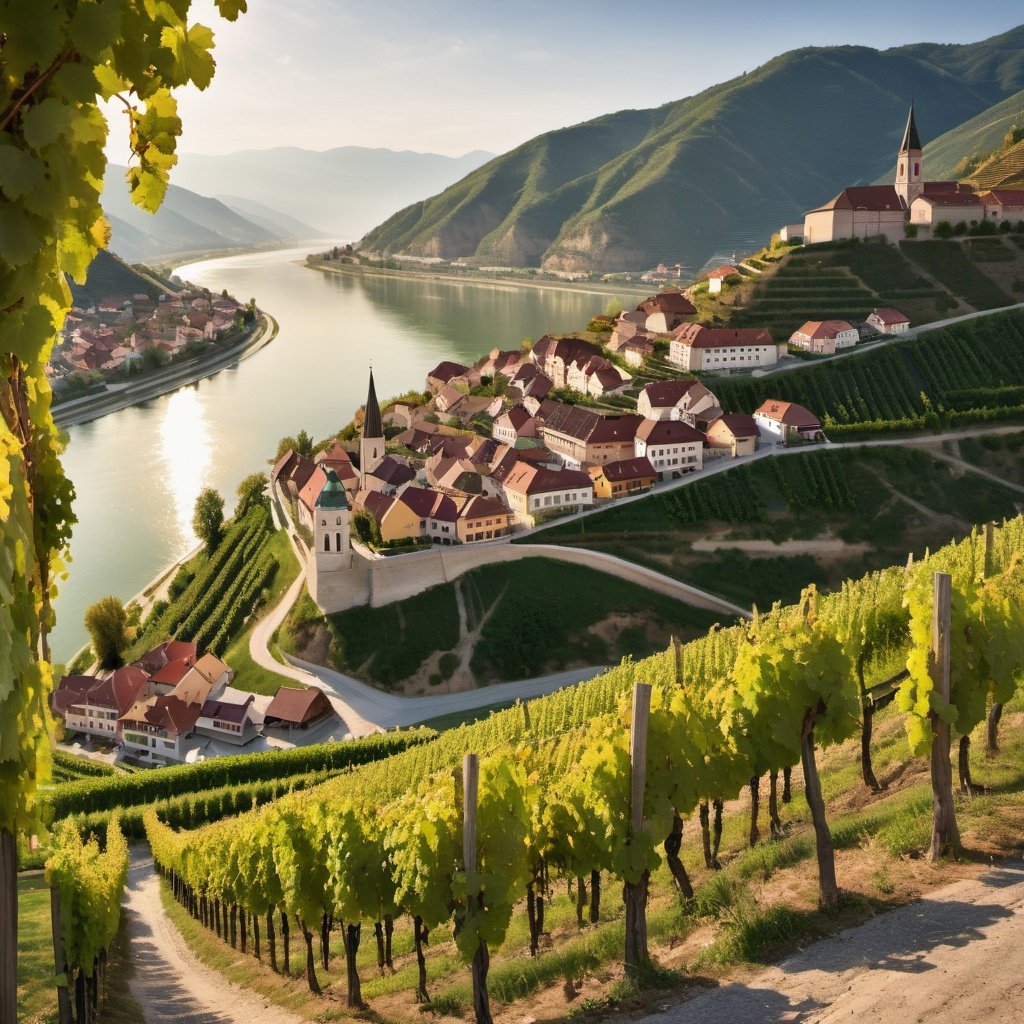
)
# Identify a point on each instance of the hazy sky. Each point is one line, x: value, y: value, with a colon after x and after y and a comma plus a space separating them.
x: 450, y: 76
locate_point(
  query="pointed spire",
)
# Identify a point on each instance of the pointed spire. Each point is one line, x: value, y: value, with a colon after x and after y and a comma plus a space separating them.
x: 911, y: 140
x: 372, y: 426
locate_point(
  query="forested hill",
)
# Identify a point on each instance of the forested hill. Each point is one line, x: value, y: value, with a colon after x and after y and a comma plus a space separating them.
x: 711, y: 173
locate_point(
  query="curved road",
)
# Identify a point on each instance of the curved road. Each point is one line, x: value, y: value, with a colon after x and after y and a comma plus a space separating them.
x: 952, y: 956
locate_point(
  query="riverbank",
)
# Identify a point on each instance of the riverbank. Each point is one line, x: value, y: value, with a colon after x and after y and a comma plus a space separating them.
x: 91, y: 407
x: 600, y: 287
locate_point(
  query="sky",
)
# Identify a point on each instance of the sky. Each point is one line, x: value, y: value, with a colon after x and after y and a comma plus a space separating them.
x: 450, y: 76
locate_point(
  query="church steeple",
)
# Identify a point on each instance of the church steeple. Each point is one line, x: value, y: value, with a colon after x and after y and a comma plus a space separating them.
x: 911, y: 140
x: 909, y: 180
x: 371, y: 443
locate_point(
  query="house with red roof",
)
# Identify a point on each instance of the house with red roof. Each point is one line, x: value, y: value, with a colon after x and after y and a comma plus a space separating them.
x: 532, y: 490
x: 717, y: 277
x: 554, y: 356
x: 787, y: 421
x: 722, y: 349
x: 672, y: 447
x: 92, y: 706
x: 666, y: 311
x: 229, y: 720
x: 578, y: 435
x: 596, y: 377
x: 444, y: 373
x: 825, y: 337
x: 627, y: 476
x: 863, y: 211
x: 513, y: 424
x: 294, y: 709
x: 733, y: 434
x: 889, y: 321
x: 482, y: 519
x: 685, y: 399
x: 156, y: 728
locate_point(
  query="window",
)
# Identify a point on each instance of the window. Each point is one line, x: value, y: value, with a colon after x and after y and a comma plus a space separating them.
x: 337, y: 522
x: 327, y: 542
x: 337, y: 542
x: 323, y: 522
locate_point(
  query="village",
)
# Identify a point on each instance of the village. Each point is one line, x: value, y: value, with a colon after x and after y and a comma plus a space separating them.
x: 120, y: 336
x: 527, y: 435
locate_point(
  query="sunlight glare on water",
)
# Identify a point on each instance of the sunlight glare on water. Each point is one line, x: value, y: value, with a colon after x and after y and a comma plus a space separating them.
x: 185, y: 454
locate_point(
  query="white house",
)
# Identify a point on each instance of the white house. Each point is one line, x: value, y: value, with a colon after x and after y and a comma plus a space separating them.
x: 530, y: 490
x: 672, y: 447
x: 717, y: 277
x: 889, y: 321
x: 722, y: 349
x: 825, y: 337
x: 687, y: 400
x: 787, y: 421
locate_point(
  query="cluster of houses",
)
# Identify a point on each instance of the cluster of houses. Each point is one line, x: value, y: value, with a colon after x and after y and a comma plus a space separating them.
x: 174, y: 705
x: 476, y: 461
x: 115, y: 332
x: 827, y: 337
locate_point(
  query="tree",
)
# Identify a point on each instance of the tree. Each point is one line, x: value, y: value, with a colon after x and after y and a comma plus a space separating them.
x: 613, y: 308
x: 208, y: 518
x: 107, y: 623
x: 252, y: 491
x: 60, y: 60
x: 944, y: 229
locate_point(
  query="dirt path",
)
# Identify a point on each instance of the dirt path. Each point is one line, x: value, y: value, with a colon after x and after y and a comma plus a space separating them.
x: 813, y: 546
x: 953, y: 956
x: 969, y: 467
x: 167, y: 981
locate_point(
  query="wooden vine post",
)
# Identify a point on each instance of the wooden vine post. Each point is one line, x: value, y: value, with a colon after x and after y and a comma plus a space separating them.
x: 635, y: 893
x: 59, y: 962
x: 945, y: 834
x: 995, y: 713
x: 481, y: 957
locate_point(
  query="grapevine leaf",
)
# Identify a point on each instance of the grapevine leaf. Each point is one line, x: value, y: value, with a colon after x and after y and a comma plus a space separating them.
x: 20, y: 172
x: 95, y: 25
x: 231, y: 9
x: 191, y: 47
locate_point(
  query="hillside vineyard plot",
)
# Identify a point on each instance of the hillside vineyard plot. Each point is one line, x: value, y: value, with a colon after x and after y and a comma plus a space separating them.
x: 608, y: 787
x: 969, y: 372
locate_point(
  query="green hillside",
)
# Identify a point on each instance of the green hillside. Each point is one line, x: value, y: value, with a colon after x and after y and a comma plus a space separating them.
x: 979, y: 136
x: 111, y: 276
x: 710, y: 173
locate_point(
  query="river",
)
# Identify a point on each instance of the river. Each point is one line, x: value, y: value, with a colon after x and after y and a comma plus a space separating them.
x: 137, y: 472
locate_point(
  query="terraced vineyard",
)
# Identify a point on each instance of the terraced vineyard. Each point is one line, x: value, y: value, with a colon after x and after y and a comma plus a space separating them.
x: 968, y: 372
x: 844, y: 280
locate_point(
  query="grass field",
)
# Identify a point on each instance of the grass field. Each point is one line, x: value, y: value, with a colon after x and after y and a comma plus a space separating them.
x: 759, y: 907
x: 952, y: 265
x: 816, y: 517
x: 521, y: 619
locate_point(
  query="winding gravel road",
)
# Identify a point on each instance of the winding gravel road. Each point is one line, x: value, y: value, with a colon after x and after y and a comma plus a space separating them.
x: 953, y: 957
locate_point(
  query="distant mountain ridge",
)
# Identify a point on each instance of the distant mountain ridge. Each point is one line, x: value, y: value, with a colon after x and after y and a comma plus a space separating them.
x: 719, y: 170
x: 185, y: 223
x: 342, y: 191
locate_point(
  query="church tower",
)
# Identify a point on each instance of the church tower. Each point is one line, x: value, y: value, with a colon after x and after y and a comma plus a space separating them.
x: 909, y: 182
x: 331, y: 527
x: 371, y: 443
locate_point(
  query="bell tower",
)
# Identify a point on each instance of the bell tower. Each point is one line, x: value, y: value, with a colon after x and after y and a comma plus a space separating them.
x: 371, y: 443
x: 909, y: 180
x: 331, y: 543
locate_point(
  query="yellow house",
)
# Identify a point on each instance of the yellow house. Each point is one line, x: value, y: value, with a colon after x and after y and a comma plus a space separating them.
x: 395, y: 520
x: 734, y: 434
